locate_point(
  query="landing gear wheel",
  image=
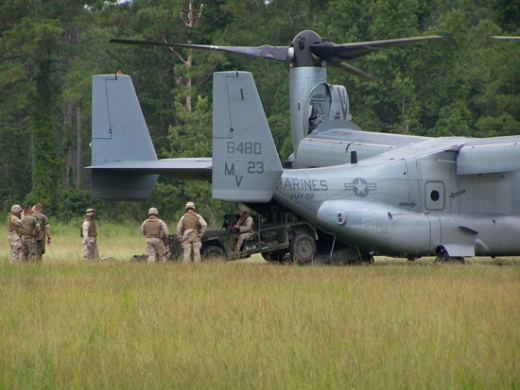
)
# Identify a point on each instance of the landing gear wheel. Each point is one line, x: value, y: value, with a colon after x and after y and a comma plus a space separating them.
x: 361, y: 258
x: 442, y: 255
x: 303, y: 249
x: 367, y: 259
x: 274, y: 256
x: 459, y: 259
x: 213, y: 252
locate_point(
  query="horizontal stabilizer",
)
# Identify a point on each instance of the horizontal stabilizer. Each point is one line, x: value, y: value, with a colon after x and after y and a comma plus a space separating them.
x: 122, y: 185
x: 178, y: 168
x: 246, y: 165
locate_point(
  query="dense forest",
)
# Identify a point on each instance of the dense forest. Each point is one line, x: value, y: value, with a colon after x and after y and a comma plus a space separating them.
x: 465, y: 84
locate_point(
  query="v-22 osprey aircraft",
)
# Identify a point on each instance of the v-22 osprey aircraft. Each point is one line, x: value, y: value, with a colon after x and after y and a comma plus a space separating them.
x: 450, y: 197
x: 411, y: 197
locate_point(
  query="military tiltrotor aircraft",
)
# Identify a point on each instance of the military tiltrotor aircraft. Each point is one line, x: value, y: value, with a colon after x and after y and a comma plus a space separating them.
x: 450, y: 197
x: 367, y: 193
x: 322, y: 131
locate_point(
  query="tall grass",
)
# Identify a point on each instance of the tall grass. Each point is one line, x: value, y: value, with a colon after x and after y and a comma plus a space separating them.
x: 123, y: 325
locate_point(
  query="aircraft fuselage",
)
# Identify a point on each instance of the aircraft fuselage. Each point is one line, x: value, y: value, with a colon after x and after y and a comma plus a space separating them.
x: 409, y: 205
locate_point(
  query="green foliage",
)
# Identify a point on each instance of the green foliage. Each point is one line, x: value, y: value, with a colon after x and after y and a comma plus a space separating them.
x: 45, y: 166
x: 74, y: 203
x: 453, y: 121
x: 191, y: 136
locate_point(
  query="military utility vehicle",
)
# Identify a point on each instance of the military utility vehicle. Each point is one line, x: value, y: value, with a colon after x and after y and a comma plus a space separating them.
x: 278, y: 237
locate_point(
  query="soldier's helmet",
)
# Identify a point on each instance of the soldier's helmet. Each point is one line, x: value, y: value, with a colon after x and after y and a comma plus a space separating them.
x: 153, y: 211
x: 243, y: 209
x: 16, y: 208
x: 190, y: 205
x: 91, y: 212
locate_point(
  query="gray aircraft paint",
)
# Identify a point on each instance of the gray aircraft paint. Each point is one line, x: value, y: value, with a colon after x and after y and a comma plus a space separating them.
x: 407, y: 198
x: 406, y: 201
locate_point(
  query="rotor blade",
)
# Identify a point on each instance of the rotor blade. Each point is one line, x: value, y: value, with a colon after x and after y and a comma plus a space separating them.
x: 505, y: 38
x: 341, y: 65
x: 329, y: 51
x: 279, y: 53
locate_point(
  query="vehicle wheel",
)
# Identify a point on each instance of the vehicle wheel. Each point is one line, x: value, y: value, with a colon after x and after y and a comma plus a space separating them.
x: 368, y: 259
x: 442, y: 255
x: 213, y: 252
x: 303, y: 248
x: 459, y: 259
x: 277, y: 256
x: 361, y: 258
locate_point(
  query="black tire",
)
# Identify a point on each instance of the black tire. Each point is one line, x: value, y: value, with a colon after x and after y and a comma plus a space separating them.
x: 213, y: 252
x: 361, y: 258
x: 368, y: 259
x: 442, y: 255
x: 277, y: 256
x: 303, y: 249
x: 459, y: 259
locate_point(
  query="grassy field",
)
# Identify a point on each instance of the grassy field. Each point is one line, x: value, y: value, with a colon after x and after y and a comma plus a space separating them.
x: 116, y: 324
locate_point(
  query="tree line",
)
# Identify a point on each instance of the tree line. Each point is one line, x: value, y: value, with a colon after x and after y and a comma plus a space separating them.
x: 463, y: 85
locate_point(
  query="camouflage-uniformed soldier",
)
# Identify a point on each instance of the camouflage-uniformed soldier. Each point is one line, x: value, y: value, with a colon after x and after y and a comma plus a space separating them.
x: 14, y: 224
x: 190, y: 230
x: 156, y: 232
x: 45, y: 230
x: 89, y: 234
x: 30, y: 229
x: 243, y: 227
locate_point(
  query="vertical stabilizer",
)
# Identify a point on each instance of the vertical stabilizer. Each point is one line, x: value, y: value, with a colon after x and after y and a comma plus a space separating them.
x: 119, y: 131
x: 119, y: 135
x: 246, y: 165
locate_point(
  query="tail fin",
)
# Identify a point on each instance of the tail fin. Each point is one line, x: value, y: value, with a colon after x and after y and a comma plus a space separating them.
x: 119, y: 136
x: 246, y: 165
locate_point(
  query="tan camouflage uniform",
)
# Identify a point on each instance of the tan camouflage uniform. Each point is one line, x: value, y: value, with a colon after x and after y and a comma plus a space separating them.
x: 190, y: 230
x: 14, y: 225
x: 156, y: 231
x: 44, y: 232
x: 245, y: 230
x: 89, y: 234
x: 30, y: 227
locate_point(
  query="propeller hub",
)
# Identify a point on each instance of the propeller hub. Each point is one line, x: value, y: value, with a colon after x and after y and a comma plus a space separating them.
x: 301, y: 45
